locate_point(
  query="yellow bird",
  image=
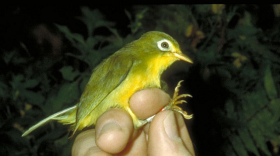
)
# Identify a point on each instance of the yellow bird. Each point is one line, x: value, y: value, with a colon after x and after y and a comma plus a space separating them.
x: 138, y: 65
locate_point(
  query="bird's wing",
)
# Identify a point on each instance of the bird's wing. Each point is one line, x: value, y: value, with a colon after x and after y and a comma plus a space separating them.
x: 105, y: 78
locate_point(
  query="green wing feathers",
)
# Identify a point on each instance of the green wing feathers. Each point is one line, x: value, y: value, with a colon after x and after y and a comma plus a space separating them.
x: 66, y: 116
x: 101, y: 84
x: 106, y: 77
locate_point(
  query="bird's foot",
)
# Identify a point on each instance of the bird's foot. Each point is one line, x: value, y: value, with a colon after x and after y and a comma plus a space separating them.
x: 173, y: 105
x: 176, y: 100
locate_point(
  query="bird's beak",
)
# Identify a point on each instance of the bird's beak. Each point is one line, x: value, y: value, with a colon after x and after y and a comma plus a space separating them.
x: 183, y: 57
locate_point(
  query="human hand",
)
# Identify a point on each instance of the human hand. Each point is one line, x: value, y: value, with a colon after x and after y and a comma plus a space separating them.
x: 114, y: 133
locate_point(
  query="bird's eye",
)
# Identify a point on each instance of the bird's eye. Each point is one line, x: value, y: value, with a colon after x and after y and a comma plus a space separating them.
x: 164, y: 45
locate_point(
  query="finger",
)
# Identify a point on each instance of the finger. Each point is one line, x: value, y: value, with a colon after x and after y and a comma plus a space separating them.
x: 164, y: 136
x: 138, y: 146
x: 184, y: 134
x: 147, y: 102
x: 113, y: 130
x: 84, y: 145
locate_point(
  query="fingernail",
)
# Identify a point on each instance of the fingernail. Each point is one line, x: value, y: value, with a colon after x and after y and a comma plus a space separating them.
x: 170, y: 126
x: 109, y: 127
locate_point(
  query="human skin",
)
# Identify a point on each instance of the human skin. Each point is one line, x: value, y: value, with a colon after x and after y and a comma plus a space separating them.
x: 114, y: 133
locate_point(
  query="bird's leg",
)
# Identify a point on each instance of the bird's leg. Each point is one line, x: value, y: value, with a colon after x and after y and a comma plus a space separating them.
x: 176, y: 100
x: 137, y: 122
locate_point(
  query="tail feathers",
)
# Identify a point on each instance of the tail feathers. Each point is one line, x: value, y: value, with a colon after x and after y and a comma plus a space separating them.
x: 56, y: 116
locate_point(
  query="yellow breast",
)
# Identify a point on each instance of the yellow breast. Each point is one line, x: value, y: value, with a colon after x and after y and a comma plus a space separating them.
x: 141, y: 76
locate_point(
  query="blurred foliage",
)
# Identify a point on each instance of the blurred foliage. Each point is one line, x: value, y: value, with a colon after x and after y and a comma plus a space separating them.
x: 234, y: 80
x: 48, y: 85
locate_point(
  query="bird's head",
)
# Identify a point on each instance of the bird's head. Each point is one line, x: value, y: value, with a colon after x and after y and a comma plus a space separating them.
x: 159, y: 49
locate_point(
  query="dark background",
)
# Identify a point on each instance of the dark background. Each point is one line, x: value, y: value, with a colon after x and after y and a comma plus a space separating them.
x: 32, y: 46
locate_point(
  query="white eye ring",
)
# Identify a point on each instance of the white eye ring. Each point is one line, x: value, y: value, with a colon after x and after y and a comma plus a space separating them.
x: 164, y: 45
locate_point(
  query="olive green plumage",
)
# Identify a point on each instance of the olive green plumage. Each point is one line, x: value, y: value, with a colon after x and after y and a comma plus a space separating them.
x: 136, y: 66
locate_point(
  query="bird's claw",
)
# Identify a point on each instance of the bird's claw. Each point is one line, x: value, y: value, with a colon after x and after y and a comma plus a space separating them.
x: 173, y: 104
x: 175, y: 101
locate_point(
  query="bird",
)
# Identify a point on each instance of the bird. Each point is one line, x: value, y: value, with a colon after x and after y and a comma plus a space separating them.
x: 136, y: 66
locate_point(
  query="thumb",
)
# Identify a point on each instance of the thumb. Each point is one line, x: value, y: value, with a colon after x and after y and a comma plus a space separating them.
x: 164, y: 136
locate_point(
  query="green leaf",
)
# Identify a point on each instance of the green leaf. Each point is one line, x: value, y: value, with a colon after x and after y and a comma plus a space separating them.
x: 238, y: 146
x: 72, y: 37
x: 231, y: 13
x: 269, y: 83
x: 84, y: 82
x: 68, y: 73
x: 93, y: 19
x: 79, y: 38
x: 274, y: 106
x: 30, y: 83
x: 67, y: 94
x: 119, y: 39
x: 93, y: 58
x: 64, y: 29
x: 258, y: 136
x: 248, y: 141
x: 91, y: 42
x: 254, y: 102
x: 33, y: 97
x: 128, y: 14
x: 203, y: 9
